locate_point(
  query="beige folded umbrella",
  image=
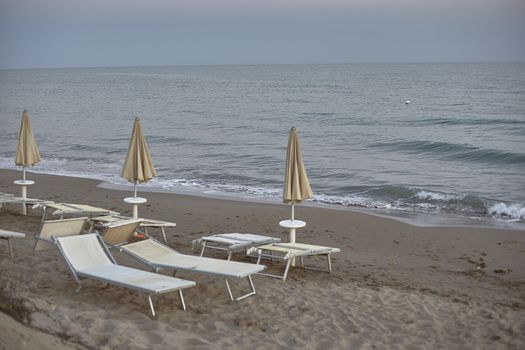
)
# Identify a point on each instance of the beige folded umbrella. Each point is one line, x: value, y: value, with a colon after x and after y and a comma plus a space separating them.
x: 138, y: 167
x: 296, y: 185
x: 27, y: 151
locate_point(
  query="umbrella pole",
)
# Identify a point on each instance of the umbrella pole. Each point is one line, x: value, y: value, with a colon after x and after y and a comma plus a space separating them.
x: 135, y: 188
x: 24, y: 191
x: 292, y: 230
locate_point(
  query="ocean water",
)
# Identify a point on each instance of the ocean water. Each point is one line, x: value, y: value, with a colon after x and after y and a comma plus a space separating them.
x: 457, y: 148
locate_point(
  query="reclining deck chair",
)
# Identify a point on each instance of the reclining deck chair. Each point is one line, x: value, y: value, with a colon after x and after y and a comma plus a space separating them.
x: 58, y: 228
x: 8, y: 198
x: 233, y: 242
x: 87, y: 256
x: 71, y: 209
x: 159, y: 256
x: 288, y: 251
x: 144, y: 224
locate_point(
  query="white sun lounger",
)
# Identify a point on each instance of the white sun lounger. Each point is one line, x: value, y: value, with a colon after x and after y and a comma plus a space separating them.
x: 58, y: 228
x: 87, y: 256
x: 233, y: 242
x: 8, y: 235
x: 145, y: 223
x: 72, y: 209
x: 288, y: 251
x: 159, y: 256
x: 8, y: 198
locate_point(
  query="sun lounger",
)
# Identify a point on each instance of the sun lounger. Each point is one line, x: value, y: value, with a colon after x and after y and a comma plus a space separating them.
x: 8, y: 235
x: 72, y: 209
x: 87, y: 256
x: 145, y: 223
x: 8, y: 198
x: 58, y: 228
x: 288, y: 251
x: 160, y: 256
x: 233, y: 242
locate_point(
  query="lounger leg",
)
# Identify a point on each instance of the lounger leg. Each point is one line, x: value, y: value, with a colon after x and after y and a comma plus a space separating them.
x: 329, y: 258
x: 229, y: 289
x: 174, y: 273
x: 10, y: 248
x: 44, y: 215
x: 164, y: 235
x: 302, y: 261
x: 182, y: 300
x: 287, y: 268
x: 229, y: 255
x: 252, y: 290
x: 151, y: 306
x: 281, y: 277
x: 203, y: 248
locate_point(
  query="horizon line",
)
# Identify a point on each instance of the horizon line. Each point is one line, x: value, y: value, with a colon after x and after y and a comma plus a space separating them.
x: 257, y: 64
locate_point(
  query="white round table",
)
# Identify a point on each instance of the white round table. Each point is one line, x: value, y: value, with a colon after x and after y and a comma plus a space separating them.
x: 135, y: 201
x: 292, y: 225
x: 24, y: 184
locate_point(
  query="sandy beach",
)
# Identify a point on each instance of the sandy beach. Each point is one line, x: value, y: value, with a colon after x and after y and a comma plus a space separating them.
x: 394, y: 286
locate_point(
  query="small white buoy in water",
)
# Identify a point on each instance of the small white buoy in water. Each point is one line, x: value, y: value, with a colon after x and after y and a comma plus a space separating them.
x: 407, y: 102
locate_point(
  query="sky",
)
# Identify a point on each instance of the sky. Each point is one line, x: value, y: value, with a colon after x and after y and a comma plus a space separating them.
x: 92, y: 33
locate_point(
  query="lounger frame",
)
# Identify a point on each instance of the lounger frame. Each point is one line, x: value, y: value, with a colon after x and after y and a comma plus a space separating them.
x: 158, y: 267
x: 261, y: 253
x: 223, y: 242
x: 71, y: 209
x: 77, y: 275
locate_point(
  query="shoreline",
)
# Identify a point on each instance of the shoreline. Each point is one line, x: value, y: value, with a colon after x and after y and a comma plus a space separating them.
x: 392, y: 284
x: 411, y: 217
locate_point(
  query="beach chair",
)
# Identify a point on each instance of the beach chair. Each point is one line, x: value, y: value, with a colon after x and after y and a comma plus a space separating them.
x: 233, y: 242
x: 145, y: 224
x: 8, y: 235
x: 88, y: 257
x: 159, y: 256
x: 8, y: 198
x: 71, y: 209
x: 58, y: 228
x: 289, y: 251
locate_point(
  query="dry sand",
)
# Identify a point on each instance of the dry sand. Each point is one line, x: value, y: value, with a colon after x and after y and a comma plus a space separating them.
x: 394, y: 285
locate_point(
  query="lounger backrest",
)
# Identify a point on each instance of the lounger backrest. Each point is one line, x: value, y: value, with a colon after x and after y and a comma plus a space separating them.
x: 58, y: 228
x: 120, y: 232
x: 149, y: 249
x: 83, y: 252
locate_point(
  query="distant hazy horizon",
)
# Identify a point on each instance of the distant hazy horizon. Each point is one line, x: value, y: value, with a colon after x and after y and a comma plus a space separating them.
x: 116, y: 33
x: 264, y: 64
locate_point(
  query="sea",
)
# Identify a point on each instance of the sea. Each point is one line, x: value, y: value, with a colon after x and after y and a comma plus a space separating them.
x: 444, y: 142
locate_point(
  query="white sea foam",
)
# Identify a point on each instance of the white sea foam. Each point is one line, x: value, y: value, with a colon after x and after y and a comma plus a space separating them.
x: 437, y: 196
x: 425, y: 201
x: 503, y: 210
x: 354, y: 200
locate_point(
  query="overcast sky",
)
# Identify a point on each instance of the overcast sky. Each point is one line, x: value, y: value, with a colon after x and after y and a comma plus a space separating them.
x: 87, y: 33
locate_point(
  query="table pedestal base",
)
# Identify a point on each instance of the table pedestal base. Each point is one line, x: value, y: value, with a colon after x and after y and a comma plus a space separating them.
x: 24, y: 184
x: 135, y: 201
x: 292, y: 225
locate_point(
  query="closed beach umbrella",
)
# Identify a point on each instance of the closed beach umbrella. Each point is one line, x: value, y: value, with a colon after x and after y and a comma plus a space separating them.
x: 27, y: 151
x: 138, y: 167
x: 296, y: 185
